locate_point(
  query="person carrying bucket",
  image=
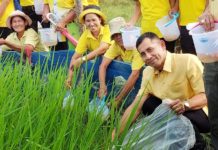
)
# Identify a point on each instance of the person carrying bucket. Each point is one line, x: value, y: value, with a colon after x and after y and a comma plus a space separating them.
x: 207, y: 19
x: 23, y: 38
x: 151, y: 12
x: 178, y: 77
x: 189, y: 11
x: 117, y: 49
x: 95, y: 39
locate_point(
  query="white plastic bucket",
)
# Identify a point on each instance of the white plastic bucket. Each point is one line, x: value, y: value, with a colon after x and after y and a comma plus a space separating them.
x: 170, y: 32
x: 206, y: 43
x: 130, y: 36
x: 38, y: 5
x: 48, y: 36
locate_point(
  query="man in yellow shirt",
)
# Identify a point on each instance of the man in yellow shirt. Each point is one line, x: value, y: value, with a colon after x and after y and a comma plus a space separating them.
x: 178, y: 77
x: 117, y: 50
x: 29, y: 9
x: 6, y: 8
x: 151, y: 11
x: 211, y: 72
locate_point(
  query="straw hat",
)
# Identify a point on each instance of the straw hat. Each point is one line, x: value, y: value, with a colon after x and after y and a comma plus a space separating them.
x: 17, y: 13
x: 91, y: 11
x: 116, y: 24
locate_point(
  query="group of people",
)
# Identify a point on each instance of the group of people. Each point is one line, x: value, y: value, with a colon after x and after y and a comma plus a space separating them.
x: 182, y: 78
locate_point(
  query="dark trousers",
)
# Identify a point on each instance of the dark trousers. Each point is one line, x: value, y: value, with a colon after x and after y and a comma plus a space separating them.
x: 211, y: 87
x: 30, y: 11
x: 198, y: 119
x: 186, y: 41
x: 4, y: 32
x: 170, y: 46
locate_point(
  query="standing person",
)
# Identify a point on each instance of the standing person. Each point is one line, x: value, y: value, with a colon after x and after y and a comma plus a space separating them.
x: 190, y: 10
x: 95, y: 39
x: 6, y: 8
x: 180, y: 77
x: 211, y: 73
x: 29, y: 9
x: 151, y: 11
x: 117, y: 50
x: 23, y: 38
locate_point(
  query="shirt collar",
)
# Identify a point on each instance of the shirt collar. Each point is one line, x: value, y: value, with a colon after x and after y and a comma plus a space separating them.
x: 167, y: 64
x: 15, y: 35
x: 91, y: 36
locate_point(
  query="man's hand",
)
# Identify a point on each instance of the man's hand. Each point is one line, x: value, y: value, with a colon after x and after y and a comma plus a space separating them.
x: 178, y: 106
x: 61, y: 26
x: 207, y: 20
x: 2, y: 41
x: 68, y: 83
x: 102, y: 92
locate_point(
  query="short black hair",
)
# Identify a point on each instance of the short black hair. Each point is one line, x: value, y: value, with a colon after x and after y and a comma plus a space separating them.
x: 149, y: 35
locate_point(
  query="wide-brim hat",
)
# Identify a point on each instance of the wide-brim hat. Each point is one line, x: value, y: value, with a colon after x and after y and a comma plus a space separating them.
x: 116, y: 24
x: 91, y: 11
x: 18, y: 13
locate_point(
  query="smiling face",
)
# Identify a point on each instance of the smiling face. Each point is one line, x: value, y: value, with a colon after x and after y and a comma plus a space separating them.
x: 153, y: 52
x: 93, y: 22
x: 117, y: 37
x: 18, y: 24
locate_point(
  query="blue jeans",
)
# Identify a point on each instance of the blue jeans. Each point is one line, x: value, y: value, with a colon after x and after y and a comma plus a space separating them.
x: 211, y: 87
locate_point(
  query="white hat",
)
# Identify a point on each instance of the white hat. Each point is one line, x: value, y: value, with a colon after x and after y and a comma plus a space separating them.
x: 116, y: 24
x: 17, y: 13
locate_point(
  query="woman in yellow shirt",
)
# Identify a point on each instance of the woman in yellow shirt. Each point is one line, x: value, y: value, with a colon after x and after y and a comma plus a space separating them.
x: 22, y: 38
x: 95, y: 39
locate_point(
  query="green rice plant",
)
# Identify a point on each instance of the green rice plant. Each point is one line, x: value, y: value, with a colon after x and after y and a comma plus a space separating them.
x: 32, y: 116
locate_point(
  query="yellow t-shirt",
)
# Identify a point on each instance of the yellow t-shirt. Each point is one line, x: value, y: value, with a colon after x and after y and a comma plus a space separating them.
x: 93, y: 2
x: 29, y: 37
x: 26, y: 2
x: 213, y: 4
x: 153, y: 10
x: 181, y: 78
x: 7, y: 12
x: 69, y: 4
x: 129, y: 56
x: 190, y: 10
x: 88, y: 42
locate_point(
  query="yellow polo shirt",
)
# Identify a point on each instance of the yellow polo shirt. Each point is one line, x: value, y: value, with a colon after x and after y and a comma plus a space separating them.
x: 26, y: 2
x: 129, y: 56
x: 88, y: 42
x: 151, y: 11
x: 213, y: 4
x: 7, y: 12
x: 190, y: 10
x: 181, y: 78
x: 29, y: 37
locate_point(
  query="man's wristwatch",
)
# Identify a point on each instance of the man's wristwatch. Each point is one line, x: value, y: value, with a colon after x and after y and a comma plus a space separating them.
x: 84, y: 58
x: 186, y: 105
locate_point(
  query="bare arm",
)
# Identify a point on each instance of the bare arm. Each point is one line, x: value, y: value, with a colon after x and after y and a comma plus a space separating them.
x: 137, y: 106
x: 99, y: 51
x: 66, y: 20
x: 174, y: 7
x: 46, y: 10
x: 102, y: 75
x: 3, y: 6
x: 129, y: 85
x: 136, y: 15
x: 196, y: 102
x: 16, y: 47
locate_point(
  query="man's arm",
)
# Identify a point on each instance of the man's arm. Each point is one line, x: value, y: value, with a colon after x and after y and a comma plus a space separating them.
x: 174, y: 7
x: 136, y: 15
x: 129, y: 85
x: 134, y: 108
x: 102, y: 75
x: 207, y: 19
x: 3, y: 6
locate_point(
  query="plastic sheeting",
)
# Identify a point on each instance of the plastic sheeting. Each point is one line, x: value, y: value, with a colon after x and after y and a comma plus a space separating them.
x: 162, y: 130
